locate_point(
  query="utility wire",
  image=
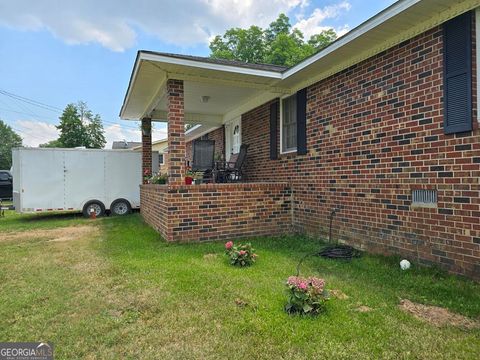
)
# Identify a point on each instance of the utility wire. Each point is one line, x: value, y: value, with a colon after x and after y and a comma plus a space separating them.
x: 47, y: 107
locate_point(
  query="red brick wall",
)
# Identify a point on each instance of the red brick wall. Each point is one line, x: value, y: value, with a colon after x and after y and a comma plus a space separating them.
x: 217, y: 211
x: 375, y: 132
x: 219, y: 136
x: 146, y: 147
x: 176, y: 131
x: 154, y: 207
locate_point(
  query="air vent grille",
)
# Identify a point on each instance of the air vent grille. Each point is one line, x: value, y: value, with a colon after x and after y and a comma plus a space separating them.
x: 424, y: 198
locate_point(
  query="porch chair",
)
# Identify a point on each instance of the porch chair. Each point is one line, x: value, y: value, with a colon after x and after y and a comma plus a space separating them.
x: 204, y: 158
x: 233, y: 171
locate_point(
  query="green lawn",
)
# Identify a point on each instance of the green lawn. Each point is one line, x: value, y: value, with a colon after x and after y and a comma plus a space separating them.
x: 118, y: 290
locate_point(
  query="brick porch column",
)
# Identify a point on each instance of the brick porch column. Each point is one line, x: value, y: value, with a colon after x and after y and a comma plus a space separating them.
x: 176, y: 132
x: 146, y: 146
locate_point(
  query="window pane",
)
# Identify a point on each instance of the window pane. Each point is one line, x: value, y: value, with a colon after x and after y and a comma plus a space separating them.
x: 289, y: 123
x: 160, y: 159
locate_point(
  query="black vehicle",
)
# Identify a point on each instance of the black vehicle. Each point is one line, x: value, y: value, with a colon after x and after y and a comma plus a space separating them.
x: 6, y: 182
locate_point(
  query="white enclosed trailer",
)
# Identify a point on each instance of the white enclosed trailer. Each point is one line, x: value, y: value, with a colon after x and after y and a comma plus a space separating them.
x: 77, y: 180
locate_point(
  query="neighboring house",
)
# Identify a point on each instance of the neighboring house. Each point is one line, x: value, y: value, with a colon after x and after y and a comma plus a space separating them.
x: 125, y: 144
x: 381, y: 125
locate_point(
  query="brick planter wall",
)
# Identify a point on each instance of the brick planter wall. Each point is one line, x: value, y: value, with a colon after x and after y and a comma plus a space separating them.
x: 154, y: 208
x: 217, y: 211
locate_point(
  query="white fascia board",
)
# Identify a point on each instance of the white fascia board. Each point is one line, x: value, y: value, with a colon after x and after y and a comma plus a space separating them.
x: 192, y: 129
x: 380, y: 18
x: 199, y: 131
x: 210, y: 66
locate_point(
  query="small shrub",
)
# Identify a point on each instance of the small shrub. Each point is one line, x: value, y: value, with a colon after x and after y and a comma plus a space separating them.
x: 306, y: 296
x: 241, y: 255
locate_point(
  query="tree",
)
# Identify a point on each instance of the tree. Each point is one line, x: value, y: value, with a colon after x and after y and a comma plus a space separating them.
x: 51, y: 144
x: 72, y: 129
x: 279, y: 44
x: 79, y: 127
x: 8, y: 140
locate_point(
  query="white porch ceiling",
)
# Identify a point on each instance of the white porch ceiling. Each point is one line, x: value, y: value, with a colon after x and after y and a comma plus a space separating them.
x: 222, y: 99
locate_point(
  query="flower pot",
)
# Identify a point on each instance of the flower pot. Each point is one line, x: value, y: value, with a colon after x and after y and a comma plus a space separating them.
x: 188, y: 180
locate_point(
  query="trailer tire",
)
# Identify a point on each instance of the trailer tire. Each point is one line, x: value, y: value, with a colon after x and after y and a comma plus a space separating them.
x: 120, y: 207
x: 95, y: 205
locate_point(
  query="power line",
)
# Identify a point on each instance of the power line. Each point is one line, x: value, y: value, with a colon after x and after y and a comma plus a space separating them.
x: 48, y: 107
x: 30, y: 101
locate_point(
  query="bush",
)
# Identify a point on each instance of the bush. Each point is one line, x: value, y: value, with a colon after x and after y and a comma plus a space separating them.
x: 306, y: 295
x: 241, y: 255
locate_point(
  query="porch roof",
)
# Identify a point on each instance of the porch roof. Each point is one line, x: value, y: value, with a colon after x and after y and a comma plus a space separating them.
x: 217, y: 91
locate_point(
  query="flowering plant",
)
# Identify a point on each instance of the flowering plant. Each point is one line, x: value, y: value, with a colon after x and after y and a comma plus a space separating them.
x: 306, y: 295
x: 240, y: 255
x: 146, y: 175
x: 157, y: 178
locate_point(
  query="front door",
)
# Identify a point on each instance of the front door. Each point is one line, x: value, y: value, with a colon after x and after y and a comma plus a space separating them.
x: 233, y: 137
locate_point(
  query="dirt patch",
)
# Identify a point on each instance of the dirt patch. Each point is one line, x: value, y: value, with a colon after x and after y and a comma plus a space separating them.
x: 338, y: 294
x: 363, y: 309
x: 437, y: 316
x: 241, y: 303
x: 68, y: 233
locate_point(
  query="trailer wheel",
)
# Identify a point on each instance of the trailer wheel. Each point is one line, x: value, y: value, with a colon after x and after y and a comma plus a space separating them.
x: 96, y: 206
x: 120, y: 207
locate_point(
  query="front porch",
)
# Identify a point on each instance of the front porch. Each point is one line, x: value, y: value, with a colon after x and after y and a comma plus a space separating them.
x: 181, y: 212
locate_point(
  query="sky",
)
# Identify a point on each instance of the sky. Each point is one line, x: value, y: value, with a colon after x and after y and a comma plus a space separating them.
x: 55, y: 52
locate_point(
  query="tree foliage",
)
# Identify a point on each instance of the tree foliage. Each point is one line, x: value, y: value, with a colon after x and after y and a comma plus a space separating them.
x: 279, y: 44
x: 79, y: 127
x: 8, y: 140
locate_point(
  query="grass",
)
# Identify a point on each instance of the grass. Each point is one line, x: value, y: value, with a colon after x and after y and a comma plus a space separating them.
x: 122, y: 292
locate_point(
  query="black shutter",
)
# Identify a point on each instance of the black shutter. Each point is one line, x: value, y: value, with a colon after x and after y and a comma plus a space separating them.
x: 457, y: 72
x: 302, y: 122
x: 273, y: 130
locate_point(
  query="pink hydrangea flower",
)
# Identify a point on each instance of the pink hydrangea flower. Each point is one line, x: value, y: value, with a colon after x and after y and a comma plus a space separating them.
x: 242, y: 252
x: 229, y: 245
x: 302, y: 286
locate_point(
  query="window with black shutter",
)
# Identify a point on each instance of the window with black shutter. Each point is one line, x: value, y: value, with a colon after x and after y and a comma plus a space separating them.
x: 457, y: 71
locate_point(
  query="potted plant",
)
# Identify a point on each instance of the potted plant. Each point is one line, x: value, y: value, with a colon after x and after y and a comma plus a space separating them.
x: 197, y: 178
x: 189, y: 177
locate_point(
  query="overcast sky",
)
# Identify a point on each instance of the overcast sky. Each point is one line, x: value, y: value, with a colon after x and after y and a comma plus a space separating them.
x: 61, y: 51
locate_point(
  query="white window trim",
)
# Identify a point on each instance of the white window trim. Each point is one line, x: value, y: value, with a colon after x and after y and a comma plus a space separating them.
x: 477, y: 38
x: 281, y: 128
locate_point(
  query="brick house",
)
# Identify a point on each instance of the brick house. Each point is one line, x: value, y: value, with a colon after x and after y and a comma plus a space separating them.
x: 381, y: 125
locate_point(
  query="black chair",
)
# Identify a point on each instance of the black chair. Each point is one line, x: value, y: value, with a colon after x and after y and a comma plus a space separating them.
x: 233, y: 170
x: 204, y: 158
